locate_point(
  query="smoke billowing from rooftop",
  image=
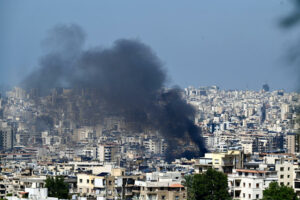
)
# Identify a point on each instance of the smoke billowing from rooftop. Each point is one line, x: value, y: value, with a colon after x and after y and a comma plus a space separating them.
x: 128, y: 77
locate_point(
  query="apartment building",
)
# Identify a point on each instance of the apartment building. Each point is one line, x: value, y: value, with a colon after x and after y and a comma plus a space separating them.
x: 286, y: 172
x: 148, y: 190
x: 6, y: 137
x: 107, y: 152
x: 226, y: 161
x: 249, y: 184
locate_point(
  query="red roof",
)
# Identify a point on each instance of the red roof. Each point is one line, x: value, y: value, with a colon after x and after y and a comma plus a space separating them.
x: 250, y: 171
x: 176, y: 185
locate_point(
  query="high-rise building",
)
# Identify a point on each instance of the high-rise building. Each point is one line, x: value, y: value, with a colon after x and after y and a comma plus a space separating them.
x: 263, y: 113
x: 293, y: 143
x: 285, y: 110
x: 107, y: 152
x: 6, y: 138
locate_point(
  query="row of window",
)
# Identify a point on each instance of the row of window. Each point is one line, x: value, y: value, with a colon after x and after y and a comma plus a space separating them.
x: 282, y: 169
x: 281, y: 183
x: 87, y: 181
x: 92, y: 181
x: 249, y: 196
x: 251, y: 174
x: 249, y: 185
x: 163, y: 197
x: 282, y: 176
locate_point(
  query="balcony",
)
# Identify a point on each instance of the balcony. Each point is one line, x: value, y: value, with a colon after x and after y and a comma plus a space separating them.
x: 153, y: 191
x: 297, y: 185
x: 128, y: 193
x: 237, y: 184
x: 136, y: 191
x: 237, y: 194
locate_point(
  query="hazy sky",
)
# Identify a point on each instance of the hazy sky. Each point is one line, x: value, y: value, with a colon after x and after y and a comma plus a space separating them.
x: 233, y: 44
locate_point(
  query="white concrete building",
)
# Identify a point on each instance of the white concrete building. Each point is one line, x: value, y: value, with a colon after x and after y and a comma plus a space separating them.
x: 249, y: 184
x: 286, y: 173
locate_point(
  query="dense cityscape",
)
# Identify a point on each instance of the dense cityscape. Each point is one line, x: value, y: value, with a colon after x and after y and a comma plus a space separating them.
x: 250, y: 136
x: 149, y: 100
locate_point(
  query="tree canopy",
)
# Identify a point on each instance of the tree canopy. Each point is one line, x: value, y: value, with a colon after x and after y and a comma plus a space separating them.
x: 276, y: 192
x: 57, y: 187
x: 211, y: 185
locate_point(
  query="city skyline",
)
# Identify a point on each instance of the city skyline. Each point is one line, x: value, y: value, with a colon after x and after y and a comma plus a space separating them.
x: 143, y: 100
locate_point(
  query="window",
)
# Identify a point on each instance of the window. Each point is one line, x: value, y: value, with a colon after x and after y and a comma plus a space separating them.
x: 87, y: 181
x: 288, y: 183
x: 163, y: 197
x: 281, y: 176
x: 288, y: 176
x: 249, y: 196
x: 177, y: 198
x: 80, y: 180
x: 244, y: 195
x: 244, y: 184
x: 257, y: 185
x: 257, y: 196
x: 92, y: 181
x: 282, y: 169
x: 288, y: 169
x: 281, y: 183
x: 249, y: 185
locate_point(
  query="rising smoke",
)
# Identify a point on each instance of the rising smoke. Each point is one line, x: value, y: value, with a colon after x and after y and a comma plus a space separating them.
x: 128, y: 77
x: 288, y: 22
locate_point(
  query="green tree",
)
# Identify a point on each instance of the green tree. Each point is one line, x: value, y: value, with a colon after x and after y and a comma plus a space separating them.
x: 211, y: 185
x: 189, y: 185
x: 57, y: 187
x: 276, y: 192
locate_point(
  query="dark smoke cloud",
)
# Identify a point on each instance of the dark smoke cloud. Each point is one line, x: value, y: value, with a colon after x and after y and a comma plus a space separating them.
x: 128, y: 77
x: 288, y: 22
x: 63, y: 48
x: 291, y: 21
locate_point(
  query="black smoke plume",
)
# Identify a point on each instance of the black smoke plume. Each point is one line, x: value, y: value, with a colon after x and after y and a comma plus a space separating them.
x: 128, y: 77
x: 288, y: 22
